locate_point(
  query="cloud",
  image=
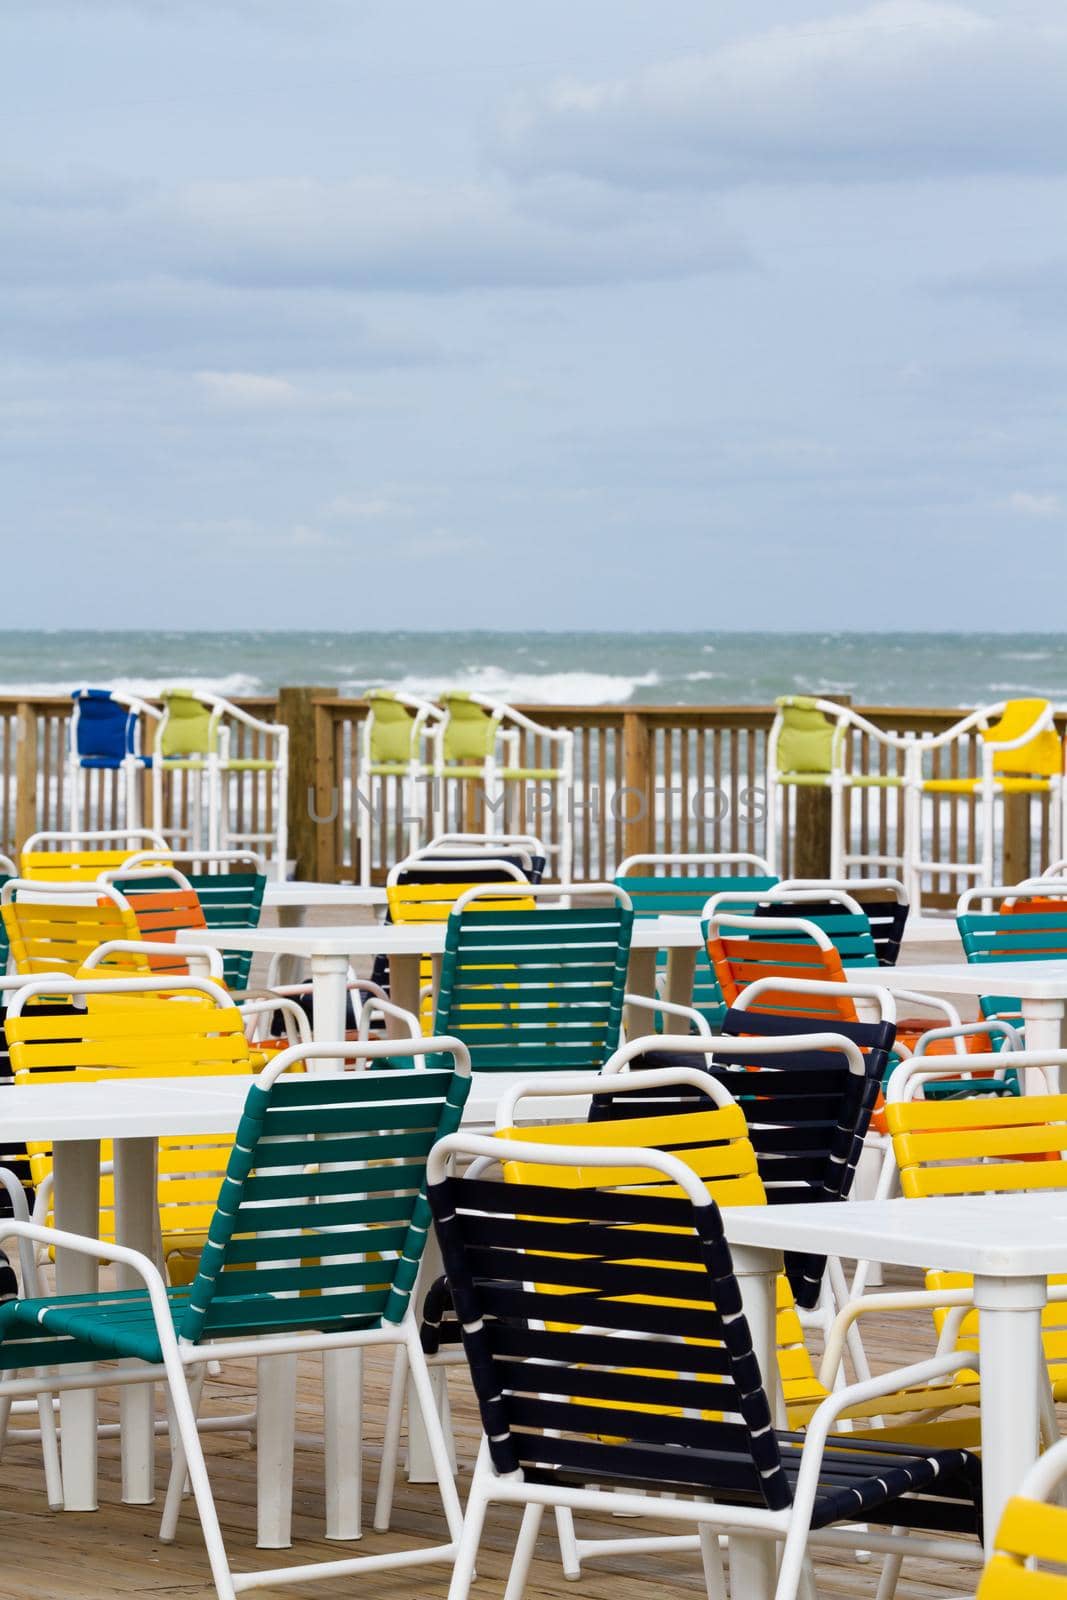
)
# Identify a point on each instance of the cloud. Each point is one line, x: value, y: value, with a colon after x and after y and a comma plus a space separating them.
x: 904, y: 89
x: 379, y: 234
x: 1027, y: 504
x: 260, y: 391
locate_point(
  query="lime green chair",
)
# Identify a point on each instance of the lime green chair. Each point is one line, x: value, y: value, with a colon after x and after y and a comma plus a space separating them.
x: 809, y: 747
x: 481, y: 738
x: 195, y: 737
x: 393, y: 747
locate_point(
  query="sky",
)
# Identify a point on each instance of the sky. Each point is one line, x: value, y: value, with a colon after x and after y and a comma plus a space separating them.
x: 591, y: 313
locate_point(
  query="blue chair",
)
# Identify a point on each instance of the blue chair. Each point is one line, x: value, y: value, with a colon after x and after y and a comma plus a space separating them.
x: 105, y: 736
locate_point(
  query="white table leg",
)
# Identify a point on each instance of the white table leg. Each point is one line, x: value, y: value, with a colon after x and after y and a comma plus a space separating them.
x: 76, y: 1165
x: 1013, y: 1365
x: 1044, y: 1031
x: 137, y: 1225
x: 289, y: 967
x: 681, y: 973
x: 329, y: 993
x: 275, y: 1442
x: 342, y: 1407
x: 754, y: 1561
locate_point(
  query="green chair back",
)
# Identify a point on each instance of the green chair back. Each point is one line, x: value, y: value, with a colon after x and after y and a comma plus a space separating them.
x: 805, y: 737
x: 537, y: 990
x: 470, y: 732
x: 661, y: 896
x: 392, y: 730
x: 1012, y: 936
x: 188, y: 730
x: 325, y: 1197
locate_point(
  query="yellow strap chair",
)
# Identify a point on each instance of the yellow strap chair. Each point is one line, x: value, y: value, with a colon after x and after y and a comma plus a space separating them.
x: 1029, y: 1560
x: 53, y: 929
x: 986, y: 1145
x: 155, y: 1028
x: 413, y: 902
x: 82, y: 857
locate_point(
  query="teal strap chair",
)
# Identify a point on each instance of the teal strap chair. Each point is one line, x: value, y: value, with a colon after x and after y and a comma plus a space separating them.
x: 684, y: 892
x: 8, y: 870
x: 393, y: 748
x: 315, y: 1245
x: 195, y: 738
x: 1021, y: 923
x: 810, y: 747
x: 229, y: 886
x: 536, y: 990
x: 481, y: 738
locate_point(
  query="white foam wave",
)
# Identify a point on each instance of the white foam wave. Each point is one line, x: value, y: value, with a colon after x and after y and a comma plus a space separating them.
x: 232, y: 686
x: 1026, y: 655
x: 702, y: 677
x: 533, y: 688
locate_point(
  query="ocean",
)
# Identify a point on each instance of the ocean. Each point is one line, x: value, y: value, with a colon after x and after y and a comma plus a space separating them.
x: 935, y: 669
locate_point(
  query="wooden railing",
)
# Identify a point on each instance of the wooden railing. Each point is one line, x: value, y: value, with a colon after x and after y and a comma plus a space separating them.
x: 673, y: 778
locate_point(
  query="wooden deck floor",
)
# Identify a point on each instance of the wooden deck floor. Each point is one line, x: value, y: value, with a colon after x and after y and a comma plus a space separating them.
x: 116, y: 1552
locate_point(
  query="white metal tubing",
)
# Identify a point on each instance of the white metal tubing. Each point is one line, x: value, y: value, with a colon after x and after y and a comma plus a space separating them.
x: 950, y: 1067
x: 832, y: 885
x: 696, y: 858
x: 883, y: 998
x: 796, y: 896
x: 31, y: 988
x: 94, y: 836
x: 823, y: 1039
x: 558, y: 891
x: 727, y: 919
x: 592, y: 1083
x: 669, y: 1008
x: 455, y: 869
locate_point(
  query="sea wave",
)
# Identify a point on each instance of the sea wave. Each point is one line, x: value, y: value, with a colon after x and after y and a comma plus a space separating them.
x: 701, y: 677
x: 232, y: 686
x: 535, y: 688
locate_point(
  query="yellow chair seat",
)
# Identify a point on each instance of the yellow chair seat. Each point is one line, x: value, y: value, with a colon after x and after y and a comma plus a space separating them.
x: 1000, y: 785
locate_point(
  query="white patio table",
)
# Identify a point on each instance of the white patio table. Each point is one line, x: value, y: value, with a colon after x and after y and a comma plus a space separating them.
x: 1011, y: 1243
x: 329, y: 951
x: 134, y: 1114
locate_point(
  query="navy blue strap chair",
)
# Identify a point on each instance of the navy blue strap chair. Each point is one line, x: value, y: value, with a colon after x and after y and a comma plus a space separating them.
x: 808, y: 1089
x: 883, y: 901
x: 614, y: 1368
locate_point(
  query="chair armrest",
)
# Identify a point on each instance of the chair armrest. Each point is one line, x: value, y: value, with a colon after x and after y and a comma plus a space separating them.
x: 945, y: 1007
x: 157, y: 948
x: 670, y: 1008
x: 868, y: 1304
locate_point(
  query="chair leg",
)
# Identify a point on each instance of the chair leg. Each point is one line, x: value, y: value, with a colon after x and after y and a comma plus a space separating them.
x: 53, y: 1471
x: 712, y: 1562
x: 189, y: 1442
x: 275, y: 1441
x: 568, y: 1543
x: 471, y: 1531
x: 394, y: 1420
x: 176, y: 1484
x: 887, y: 1583
x: 525, y: 1546
x: 422, y: 1394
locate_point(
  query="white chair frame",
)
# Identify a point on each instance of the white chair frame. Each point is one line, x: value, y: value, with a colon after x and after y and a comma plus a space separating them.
x: 509, y: 723
x: 426, y: 716
x: 839, y: 780
x: 214, y: 779
x: 134, y: 763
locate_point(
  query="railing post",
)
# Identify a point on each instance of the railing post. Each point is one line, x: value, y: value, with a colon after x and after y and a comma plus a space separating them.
x: 296, y: 711
x: 328, y: 798
x: 25, y: 773
x: 810, y: 853
x: 1016, y: 864
x: 636, y: 804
